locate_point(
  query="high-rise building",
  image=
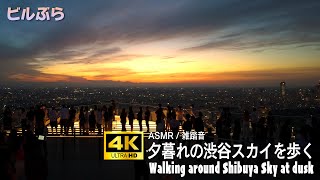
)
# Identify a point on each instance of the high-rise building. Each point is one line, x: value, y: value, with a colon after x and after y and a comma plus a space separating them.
x: 283, y: 88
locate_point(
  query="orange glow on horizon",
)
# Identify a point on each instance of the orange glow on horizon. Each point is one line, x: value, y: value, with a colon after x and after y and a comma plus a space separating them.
x: 211, y: 78
x: 164, y: 65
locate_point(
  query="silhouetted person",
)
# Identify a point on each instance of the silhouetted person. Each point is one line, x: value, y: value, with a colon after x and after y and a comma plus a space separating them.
x: 29, y: 153
x: 64, y: 114
x: 19, y: 158
x: 199, y: 127
x: 131, y: 117
x: 109, y: 119
x: 187, y: 126
x: 113, y: 105
x: 6, y: 168
x: 39, y: 115
x: 226, y: 123
x: 315, y: 140
x: 236, y: 129
x: 13, y: 140
x: 262, y: 130
x: 72, y: 117
x: 285, y: 133
x: 30, y: 119
x: 139, y: 118
x: 245, y: 125
x: 161, y: 126
x: 105, y: 117
x: 193, y: 121
x: 209, y: 137
x: 147, y: 115
x: 86, y: 123
x: 23, y: 120
x: 7, y: 119
x: 173, y: 114
x: 160, y: 119
x: 174, y: 124
x: 168, y: 118
x: 53, y: 116
x: 271, y: 125
x: 159, y: 114
x: 302, y: 139
x: 98, y: 114
x: 123, y: 119
x: 14, y: 144
x: 36, y: 165
x: 82, y: 120
x: 92, y: 122
x: 254, y: 121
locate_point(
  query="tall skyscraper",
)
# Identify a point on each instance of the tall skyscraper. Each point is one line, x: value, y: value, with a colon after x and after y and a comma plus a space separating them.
x: 283, y: 88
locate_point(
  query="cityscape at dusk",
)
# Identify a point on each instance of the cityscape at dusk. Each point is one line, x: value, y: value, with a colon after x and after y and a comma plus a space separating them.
x: 206, y: 99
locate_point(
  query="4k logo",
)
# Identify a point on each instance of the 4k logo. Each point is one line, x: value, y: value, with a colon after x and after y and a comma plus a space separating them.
x: 123, y: 146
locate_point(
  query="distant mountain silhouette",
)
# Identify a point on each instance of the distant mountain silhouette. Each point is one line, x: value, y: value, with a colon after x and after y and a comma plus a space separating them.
x: 109, y: 83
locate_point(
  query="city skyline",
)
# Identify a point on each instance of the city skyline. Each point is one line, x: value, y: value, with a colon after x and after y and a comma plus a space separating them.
x: 156, y: 43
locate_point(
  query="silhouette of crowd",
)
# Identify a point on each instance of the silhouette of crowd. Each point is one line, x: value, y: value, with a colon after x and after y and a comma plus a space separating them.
x: 250, y: 127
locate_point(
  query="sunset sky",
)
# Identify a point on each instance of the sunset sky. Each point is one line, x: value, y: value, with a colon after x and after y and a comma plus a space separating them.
x: 209, y: 42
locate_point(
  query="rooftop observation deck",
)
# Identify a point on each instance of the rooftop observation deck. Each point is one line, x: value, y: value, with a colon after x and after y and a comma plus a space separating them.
x: 209, y: 121
x: 75, y: 156
x: 81, y: 157
x: 116, y: 126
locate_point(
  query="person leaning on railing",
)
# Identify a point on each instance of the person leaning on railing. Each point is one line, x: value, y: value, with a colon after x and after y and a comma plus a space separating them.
x: 109, y: 117
x: 53, y: 116
x: 123, y: 119
x: 98, y: 114
x: 64, y: 113
x: 82, y: 120
x: 92, y: 122
x: 139, y: 118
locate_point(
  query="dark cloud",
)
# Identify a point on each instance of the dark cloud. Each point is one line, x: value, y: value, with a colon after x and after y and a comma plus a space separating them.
x: 114, y: 56
x: 244, y: 41
x: 72, y: 56
x: 42, y: 77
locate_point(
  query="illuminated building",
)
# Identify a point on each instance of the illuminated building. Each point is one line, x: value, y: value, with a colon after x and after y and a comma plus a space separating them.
x: 283, y: 88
